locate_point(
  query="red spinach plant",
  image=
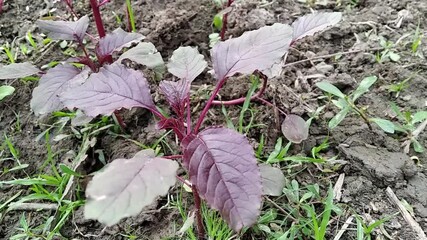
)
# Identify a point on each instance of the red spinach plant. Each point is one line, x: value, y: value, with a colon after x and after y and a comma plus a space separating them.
x: 220, y: 162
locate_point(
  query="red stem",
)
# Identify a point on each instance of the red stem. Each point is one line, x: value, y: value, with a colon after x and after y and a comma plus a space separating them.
x: 224, y: 22
x: 199, y: 219
x: 1, y: 6
x: 242, y: 99
x: 99, y: 24
x: 208, y: 105
x: 172, y: 156
x: 70, y: 6
x: 271, y: 104
x: 188, y: 115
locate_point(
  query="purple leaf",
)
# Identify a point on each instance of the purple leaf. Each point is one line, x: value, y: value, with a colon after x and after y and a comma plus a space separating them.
x: 176, y: 94
x: 144, y: 53
x: 116, y: 41
x: 312, y: 23
x: 65, y: 30
x: 17, y: 70
x: 223, y: 167
x: 112, y: 88
x: 126, y: 186
x: 254, y: 50
x: 187, y: 63
x: 52, y: 84
x: 273, y: 180
x: 295, y: 128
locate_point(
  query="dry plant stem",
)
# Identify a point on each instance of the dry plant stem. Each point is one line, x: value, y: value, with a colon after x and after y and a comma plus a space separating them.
x: 224, y: 22
x: 272, y: 105
x: 197, y: 201
x: 332, y: 55
x: 406, y: 215
x: 281, y: 209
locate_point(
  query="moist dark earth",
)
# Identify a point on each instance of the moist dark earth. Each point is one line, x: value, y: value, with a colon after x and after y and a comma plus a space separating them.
x: 373, y: 159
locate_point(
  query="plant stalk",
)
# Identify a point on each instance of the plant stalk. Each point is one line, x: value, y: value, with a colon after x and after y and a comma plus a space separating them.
x: 208, y: 105
x: 99, y: 24
x: 224, y: 21
x: 197, y: 201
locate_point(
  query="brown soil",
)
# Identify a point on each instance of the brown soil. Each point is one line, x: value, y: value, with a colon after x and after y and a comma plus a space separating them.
x: 374, y: 159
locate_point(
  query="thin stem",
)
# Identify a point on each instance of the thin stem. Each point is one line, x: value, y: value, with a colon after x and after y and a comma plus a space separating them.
x: 242, y: 99
x: 70, y: 6
x: 119, y: 119
x: 199, y: 219
x: 332, y: 55
x: 272, y: 105
x: 90, y: 63
x: 172, y: 157
x: 208, y: 105
x: 99, y: 24
x: 188, y: 115
x: 183, y: 181
x: 224, y: 21
x: 360, y: 112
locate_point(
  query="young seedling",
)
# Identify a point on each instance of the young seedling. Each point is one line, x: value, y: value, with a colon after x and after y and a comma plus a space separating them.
x: 388, y: 52
x: 400, y: 86
x: 220, y: 162
x: 347, y: 104
x: 412, y: 125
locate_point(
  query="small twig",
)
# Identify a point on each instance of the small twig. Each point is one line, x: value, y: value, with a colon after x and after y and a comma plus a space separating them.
x: 332, y: 55
x: 343, y: 228
x: 32, y: 206
x: 338, y: 187
x: 408, y: 218
x: 281, y: 209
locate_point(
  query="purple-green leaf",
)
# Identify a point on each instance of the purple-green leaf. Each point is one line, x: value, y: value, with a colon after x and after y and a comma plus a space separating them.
x: 254, y: 50
x: 110, y: 89
x: 186, y: 63
x: 310, y: 24
x: 223, y: 167
x: 65, y: 30
x: 58, y: 79
x: 295, y: 128
x: 126, y: 186
x: 17, y: 70
x: 273, y: 180
x: 116, y: 41
x: 175, y: 93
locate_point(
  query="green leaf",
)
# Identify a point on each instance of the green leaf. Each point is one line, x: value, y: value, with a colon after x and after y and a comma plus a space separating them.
x: 385, y: 125
x: 329, y: 88
x: 364, y: 86
x: 65, y: 169
x: 338, y: 118
x: 340, y: 103
x: 394, y: 56
x: 6, y: 91
x: 217, y: 21
x: 419, y: 117
x: 417, y: 146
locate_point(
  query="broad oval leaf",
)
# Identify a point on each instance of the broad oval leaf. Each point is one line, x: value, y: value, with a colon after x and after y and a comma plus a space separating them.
x: 17, y: 70
x: 254, y: 50
x: 312, y: 23
x: 419, y: 117
x: 223, y: 167
x: 58, y: 79
x: 110, y: 89
x: 65, y: 30
x: 145, y: 53
x: 273, y: 180
x: 295, y: 128
x: 329, y: 88
x: 187, y: 63
x: 6, y: 91
x: 364, y: 86
x: 126, y: 186
x: 384, y: 124
x: 116, y: 41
